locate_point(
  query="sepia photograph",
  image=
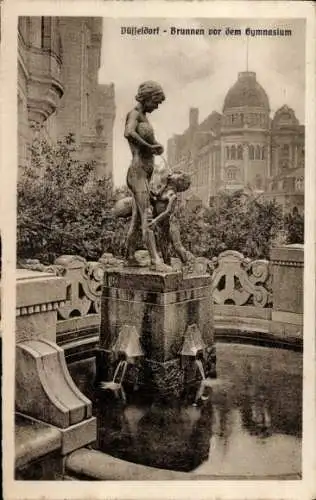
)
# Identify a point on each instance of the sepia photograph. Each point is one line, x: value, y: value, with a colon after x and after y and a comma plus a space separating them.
x: 160, y: 240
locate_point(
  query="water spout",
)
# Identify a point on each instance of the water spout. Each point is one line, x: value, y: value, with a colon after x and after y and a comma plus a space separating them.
x: 201, y: 368
x: 200, y: 396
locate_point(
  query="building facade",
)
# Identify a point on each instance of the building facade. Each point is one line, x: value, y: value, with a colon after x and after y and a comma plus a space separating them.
x: 243, y: 148
x: 58, y: 89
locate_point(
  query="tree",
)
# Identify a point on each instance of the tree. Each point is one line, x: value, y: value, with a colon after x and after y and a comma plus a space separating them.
x: 236, y: 221
x: 62, y: 209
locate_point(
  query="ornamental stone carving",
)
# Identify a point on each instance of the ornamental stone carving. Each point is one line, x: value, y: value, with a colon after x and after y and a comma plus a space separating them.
x: 84, y: 281
x: 238, y: 280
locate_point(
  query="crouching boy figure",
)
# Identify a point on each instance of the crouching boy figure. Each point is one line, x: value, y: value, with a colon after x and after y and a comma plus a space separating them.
x: 164, y: 186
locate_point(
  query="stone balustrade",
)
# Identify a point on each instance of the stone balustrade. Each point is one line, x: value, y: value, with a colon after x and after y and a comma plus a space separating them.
x: 251, y: 298
x: 58, y: 320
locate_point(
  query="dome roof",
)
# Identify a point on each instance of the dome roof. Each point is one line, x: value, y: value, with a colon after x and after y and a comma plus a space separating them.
x: 246, y: 92
x: 284, y: 117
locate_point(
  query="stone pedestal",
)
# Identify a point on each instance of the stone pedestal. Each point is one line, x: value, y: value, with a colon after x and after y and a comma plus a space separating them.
x: 160, y: 321
x: 287, y: 287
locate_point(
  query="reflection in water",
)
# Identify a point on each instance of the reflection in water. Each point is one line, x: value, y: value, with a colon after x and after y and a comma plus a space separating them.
x: 251, y: 424
x: 256, y: 405
x: 176, y: 438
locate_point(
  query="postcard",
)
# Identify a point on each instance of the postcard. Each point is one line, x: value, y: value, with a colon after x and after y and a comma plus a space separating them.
x: 158, y: 249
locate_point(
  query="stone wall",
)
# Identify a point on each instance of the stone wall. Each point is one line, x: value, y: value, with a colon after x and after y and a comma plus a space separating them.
x: 53, y: 418
x: 253, y: 299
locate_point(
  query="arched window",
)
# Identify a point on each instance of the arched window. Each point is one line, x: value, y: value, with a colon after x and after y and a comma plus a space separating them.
x: 285, y: 150
x: 233, y: 153
x: 239, y: 152
x: 263, y: 153
x: 299, y: 184
x: 258, y: 155
x: 251, y: 152
x: 227, y: 152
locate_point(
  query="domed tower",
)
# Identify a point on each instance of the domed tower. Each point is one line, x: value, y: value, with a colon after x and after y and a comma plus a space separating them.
x: 287, y: 141
x: 287, y: 159
x: 245, y: 135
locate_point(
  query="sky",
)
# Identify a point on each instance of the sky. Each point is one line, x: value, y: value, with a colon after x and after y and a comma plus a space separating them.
x: 197, y: 71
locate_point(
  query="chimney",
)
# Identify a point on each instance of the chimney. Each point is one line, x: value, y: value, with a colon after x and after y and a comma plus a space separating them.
x: 193, y: 118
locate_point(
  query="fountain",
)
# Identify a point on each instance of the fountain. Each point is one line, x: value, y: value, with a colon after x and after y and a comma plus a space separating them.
x: 157, y: 319
x: 166, y: 399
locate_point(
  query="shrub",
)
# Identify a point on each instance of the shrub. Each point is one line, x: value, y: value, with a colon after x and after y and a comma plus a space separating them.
x: 61, y: 209
x: 294, y: 226
x: 233, y: 221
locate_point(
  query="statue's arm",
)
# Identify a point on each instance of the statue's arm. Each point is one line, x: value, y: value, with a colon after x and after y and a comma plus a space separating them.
x: 172, y: 198
x: 130, y: 132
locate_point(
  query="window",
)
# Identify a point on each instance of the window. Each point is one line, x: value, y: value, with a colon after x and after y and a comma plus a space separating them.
x: 239, y: 152
x: 233, y: 153
x: 258, y: 153
x: 206, y: 174
x: 46, y: 32
x: 263, y: 153
x: 299, y: 184
x: 258, y: 181
x: 85, y: 109
x: 231, y: 174
x: 227, y: 152
x: 251, y: 152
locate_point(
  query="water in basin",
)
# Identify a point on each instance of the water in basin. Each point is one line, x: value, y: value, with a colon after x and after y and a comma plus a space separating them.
x: 249, y: 427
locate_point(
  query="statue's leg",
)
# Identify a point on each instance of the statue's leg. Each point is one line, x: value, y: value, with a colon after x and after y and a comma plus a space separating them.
x: 145, y: 212
x: 132, y: 235
x: 164, y: 243
x: 175, y: 238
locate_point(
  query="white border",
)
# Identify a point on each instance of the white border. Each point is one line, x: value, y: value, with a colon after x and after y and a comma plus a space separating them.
x: 298, y: 490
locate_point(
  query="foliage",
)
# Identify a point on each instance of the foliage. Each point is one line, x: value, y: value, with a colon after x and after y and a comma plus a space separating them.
x: 294, y: 226
x: 233, y: 221
x: 61, y: 209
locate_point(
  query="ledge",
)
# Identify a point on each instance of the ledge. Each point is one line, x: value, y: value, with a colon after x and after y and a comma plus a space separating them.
x: 144, y: 279
x: 35, y: 288
x: 33, y: 440
x: 93, y: 465
x: 289, y: 255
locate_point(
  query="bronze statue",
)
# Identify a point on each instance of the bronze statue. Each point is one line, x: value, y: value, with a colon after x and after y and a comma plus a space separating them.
x: 144, y: 147
x: 164, y: 187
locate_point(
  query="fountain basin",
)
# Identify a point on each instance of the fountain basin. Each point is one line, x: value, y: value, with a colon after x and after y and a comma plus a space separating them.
x: 249, y: 427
